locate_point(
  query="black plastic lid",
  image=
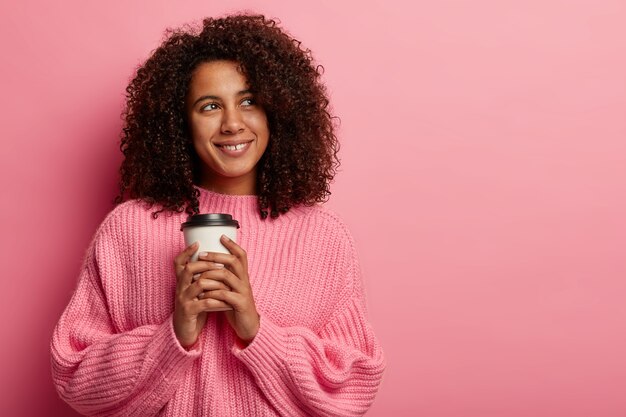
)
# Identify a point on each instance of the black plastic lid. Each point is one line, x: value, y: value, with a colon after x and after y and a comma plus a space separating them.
x: 211, y: 219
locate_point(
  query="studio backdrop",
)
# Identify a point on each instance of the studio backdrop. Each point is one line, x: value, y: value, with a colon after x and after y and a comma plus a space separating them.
x: 483, y: 177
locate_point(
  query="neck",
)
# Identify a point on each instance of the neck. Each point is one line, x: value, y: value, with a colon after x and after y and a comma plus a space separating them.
x: 243, y: 185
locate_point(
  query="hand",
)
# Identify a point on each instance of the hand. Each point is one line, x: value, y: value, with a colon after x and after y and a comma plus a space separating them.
x: 190, y: 309
x: 243, y: 318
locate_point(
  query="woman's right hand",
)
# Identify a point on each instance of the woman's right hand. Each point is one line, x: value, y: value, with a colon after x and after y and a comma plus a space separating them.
x: 190, y: 309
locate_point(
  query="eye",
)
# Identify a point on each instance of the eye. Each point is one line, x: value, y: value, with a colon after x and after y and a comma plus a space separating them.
x: 248, y: 102
x: 210, y: 106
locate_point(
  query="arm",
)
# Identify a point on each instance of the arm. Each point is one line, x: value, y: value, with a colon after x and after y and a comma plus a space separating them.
x: 334, y: 371
x: 100, y: 371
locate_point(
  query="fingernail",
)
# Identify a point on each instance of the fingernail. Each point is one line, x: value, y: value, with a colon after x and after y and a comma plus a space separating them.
x: 218, y: 265
x: 203, y: 254
x: 225, y: 237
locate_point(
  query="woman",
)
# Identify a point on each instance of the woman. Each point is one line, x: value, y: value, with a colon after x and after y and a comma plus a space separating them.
x: 231, y: 118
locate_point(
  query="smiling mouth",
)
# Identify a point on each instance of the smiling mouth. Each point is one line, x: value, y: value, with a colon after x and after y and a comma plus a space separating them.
x: 233, y: 147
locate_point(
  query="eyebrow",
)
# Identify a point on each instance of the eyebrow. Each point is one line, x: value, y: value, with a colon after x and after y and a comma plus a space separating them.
x: 210, y: 97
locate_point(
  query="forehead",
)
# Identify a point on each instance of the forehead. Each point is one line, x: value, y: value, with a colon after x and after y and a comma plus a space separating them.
x: 217, y: 75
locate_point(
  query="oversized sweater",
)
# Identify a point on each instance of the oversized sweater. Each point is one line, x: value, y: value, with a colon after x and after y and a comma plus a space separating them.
x: 114, y: 351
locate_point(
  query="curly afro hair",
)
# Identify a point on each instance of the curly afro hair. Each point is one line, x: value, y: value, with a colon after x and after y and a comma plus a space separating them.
x: 160, y: 164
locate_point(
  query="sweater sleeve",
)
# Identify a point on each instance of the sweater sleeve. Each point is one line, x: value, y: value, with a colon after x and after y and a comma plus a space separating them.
x: 102, y: 372
x: 335, y: 371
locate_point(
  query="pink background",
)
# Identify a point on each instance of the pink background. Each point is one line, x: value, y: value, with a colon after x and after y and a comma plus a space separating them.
x: 483, y: 176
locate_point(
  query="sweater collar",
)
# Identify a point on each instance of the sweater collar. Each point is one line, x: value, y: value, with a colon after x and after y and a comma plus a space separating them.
x: 239, y: 206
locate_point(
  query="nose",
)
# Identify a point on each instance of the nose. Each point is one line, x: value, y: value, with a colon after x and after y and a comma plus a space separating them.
x: 232, y: 122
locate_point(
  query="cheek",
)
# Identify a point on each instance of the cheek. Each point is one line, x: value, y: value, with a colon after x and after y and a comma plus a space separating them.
x: 258, y: 123
x: 202, y: 131
x: 200, y: 141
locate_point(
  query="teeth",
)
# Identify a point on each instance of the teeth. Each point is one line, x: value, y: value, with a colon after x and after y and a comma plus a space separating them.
x: 234, y: 147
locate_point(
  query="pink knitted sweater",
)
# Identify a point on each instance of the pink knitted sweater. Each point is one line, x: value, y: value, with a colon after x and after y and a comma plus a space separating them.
x: 114, y: 351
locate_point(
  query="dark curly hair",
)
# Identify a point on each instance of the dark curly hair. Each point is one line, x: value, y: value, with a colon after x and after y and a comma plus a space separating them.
x: 160, y: 164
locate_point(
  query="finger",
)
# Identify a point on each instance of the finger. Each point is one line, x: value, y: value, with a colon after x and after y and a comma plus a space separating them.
x: 191, y: 271
x: 228, y: 278
x: 185, y: 255
x: 232, y: 262
x: 201, y: 266
x: 199, y: 306
x: 232, y: 246
x: 193, y: 291
x: 218, y: 258
x: 234, y: 249
x: 203, y: 285
x: 236, y: 301
x: 184, y: 277
x: 238, y: 252
x: 219, y: 274
x: 194, y: 267
x: 211, y: 304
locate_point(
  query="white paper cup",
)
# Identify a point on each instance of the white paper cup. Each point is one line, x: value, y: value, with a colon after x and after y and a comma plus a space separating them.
x: 206, y: 229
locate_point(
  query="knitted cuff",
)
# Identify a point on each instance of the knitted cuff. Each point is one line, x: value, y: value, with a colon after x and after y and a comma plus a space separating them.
x: 166, y: 353
x: 267, y: 351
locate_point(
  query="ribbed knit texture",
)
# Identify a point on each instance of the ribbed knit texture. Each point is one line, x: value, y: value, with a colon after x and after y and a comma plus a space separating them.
x: 114, y: 351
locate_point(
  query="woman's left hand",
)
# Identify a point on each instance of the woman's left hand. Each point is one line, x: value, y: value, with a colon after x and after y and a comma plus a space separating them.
x: 243, y: 318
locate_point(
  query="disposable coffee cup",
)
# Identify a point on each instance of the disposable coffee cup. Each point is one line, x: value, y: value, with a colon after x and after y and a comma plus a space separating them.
x: 207, y: 230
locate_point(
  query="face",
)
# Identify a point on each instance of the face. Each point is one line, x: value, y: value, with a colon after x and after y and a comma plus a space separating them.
x: 228, y: 128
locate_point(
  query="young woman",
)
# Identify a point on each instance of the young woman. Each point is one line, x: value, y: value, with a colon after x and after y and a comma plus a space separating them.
x: 230, y: 118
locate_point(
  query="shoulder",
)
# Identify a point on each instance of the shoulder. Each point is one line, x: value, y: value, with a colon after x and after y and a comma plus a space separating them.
x: 325, y: 232
x: 333, y: 242
x: 326, y: 221
x: 124, y: 215
x: 132, y: 219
